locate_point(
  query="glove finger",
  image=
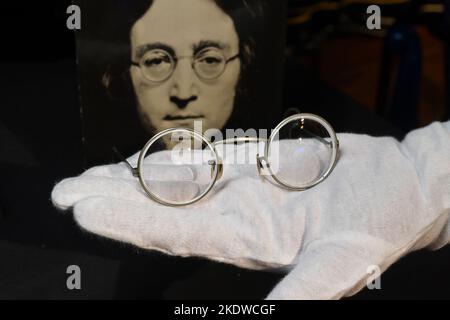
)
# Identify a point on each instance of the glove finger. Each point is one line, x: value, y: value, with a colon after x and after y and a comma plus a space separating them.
x: 151, y: 171
x: 119, y: 170
x: 69, y: 191
x: 334, y: 267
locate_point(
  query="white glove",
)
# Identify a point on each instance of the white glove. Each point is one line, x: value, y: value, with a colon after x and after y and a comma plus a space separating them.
x: 383, y: 200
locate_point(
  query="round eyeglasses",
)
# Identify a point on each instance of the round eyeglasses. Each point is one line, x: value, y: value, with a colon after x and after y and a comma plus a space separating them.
x: 300, y: 153
x: 157, y: 65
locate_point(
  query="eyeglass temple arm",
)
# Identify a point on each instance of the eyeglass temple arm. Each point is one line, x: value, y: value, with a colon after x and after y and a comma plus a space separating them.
x: 297, y: 111
x: 253, y: 139
x: 324, y: 141
x: 233, y: 57
x: 134, y: 171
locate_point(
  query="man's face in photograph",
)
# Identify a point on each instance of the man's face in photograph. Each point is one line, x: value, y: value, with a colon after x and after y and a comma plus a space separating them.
x: 165, y: 41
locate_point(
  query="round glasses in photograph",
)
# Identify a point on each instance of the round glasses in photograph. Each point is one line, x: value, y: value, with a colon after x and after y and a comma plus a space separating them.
x: 157, y: 65
x: 178, y: 167
x: 301, y: 151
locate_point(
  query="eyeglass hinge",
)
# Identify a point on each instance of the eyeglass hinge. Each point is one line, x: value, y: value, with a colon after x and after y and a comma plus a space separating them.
x: 135, y: 172
x: 260, y: 165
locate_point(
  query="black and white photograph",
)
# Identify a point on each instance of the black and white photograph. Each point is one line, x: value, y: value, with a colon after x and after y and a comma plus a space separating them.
x: 146, y: 66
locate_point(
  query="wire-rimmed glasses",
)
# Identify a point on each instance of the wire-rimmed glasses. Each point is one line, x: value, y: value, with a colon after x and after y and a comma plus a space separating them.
x: 300, y: 153
x: 157, y: 65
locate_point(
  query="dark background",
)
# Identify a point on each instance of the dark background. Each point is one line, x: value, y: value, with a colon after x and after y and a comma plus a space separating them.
x: 41, y: 143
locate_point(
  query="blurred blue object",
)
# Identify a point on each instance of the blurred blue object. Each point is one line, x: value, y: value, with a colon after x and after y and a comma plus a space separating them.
x: 399, y: 87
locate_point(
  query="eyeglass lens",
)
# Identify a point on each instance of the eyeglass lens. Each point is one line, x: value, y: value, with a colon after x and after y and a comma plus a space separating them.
x: 178, y: 167
x: 301, y: 153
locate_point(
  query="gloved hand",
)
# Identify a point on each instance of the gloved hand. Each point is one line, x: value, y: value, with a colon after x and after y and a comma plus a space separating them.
x: 383, y: 200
